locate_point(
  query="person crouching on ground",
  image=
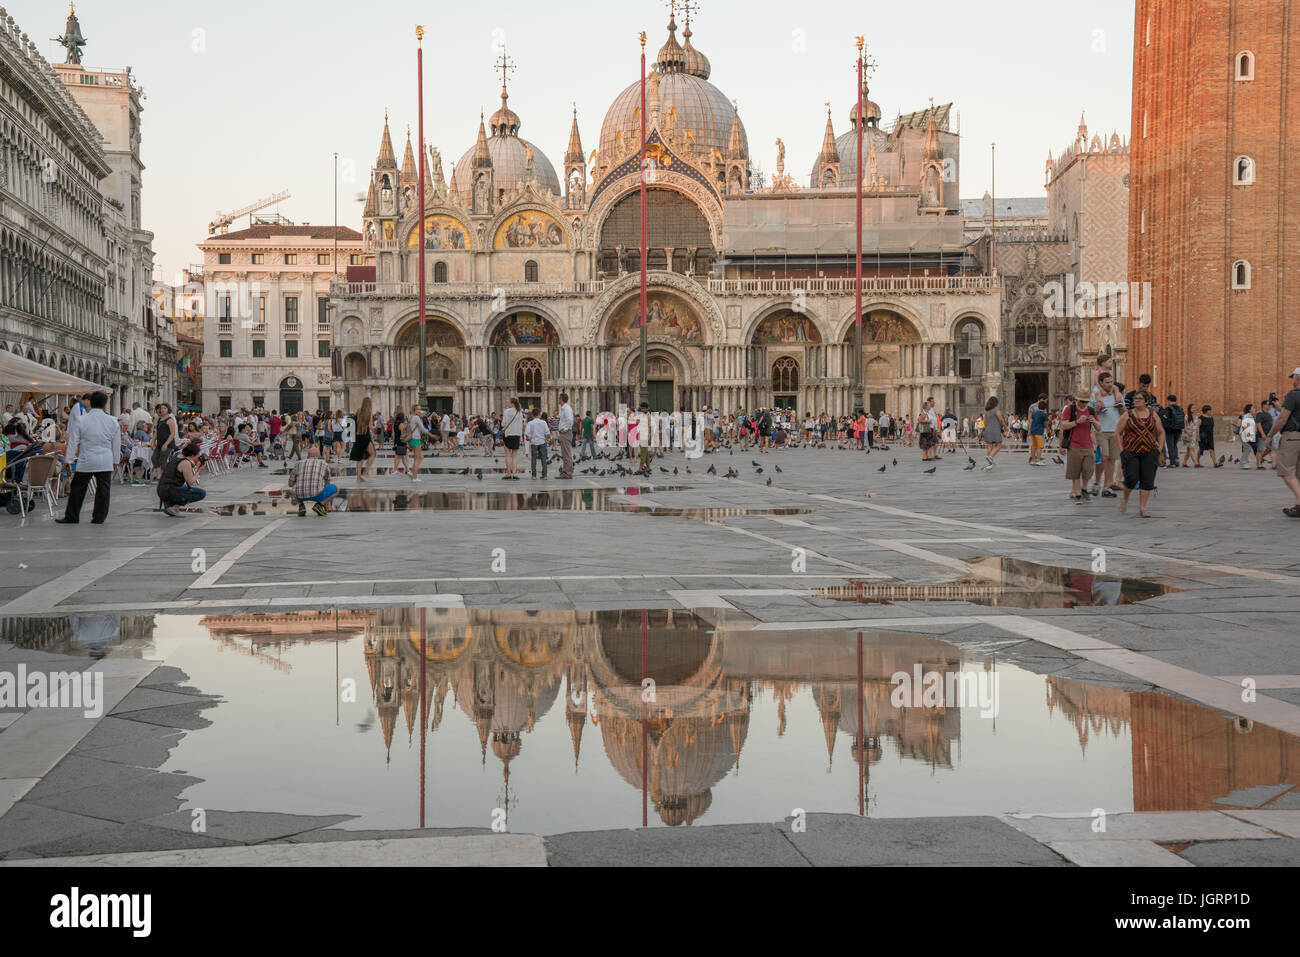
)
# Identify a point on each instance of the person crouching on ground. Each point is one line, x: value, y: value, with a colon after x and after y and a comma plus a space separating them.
x: 309, y: 482
x: 179, y: 484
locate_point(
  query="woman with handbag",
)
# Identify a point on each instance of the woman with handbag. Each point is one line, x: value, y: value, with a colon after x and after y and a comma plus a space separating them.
x: 994, y: 427
x: 512, y: 433
x: 1141, y: 437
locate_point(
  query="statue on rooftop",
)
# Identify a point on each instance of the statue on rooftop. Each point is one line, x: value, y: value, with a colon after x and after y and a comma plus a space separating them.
x: 72, y: 40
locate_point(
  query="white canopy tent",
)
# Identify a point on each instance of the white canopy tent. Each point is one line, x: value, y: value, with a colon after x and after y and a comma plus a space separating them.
x: 23, y: 375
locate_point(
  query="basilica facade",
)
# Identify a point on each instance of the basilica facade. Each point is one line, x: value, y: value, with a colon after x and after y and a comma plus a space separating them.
x: 533, y: 270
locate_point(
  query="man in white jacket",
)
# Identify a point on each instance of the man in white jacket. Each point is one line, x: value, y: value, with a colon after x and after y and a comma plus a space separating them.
x: 94, y: 446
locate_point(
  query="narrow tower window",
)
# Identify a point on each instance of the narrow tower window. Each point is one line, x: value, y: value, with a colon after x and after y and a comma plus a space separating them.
x: 1245, y: 65
x: 1241, y: 274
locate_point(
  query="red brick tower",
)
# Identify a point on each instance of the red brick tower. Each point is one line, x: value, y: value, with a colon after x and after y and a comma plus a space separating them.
x: 1214, y: 217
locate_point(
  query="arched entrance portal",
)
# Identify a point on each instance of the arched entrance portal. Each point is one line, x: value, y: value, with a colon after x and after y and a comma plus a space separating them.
x: 891, y: 362
x: 675, y: 332
x: 443, y: 362
x: 290, y: 395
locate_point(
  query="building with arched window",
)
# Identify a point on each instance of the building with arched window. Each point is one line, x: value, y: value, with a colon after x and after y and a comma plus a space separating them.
x: 535, y: 274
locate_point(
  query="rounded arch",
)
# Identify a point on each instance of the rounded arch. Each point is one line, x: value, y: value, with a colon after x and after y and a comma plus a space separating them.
x: 629, y: 371
x: 669, y: 316
x: 354, y: 366
x: 442, y: 231
x: 529, y: 225
x: 1243, y: 171
x: 918, y: 330
x: 523, y: 325
x: 986, y: 327
x: 352, y: 331
x: 785, y: 375
x: 1244, y: 63
x: 617, y: 293
x: 598, y: 219
x: 404, y: 329
x: 778, y: 310
x: 529, y: 376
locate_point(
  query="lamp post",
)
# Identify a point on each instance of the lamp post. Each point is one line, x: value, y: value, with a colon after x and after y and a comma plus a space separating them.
x: 419, y: 69
x: 645, y: 379
x: 859, y: 396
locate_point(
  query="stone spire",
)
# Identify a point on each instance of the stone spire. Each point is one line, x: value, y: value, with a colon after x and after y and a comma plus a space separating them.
x: 734, y: 148
x: 829, y: 153
x: 387, y: 159
x: 408, y: 162
x: 931, y: 151
x: 372, y: 203
x: 482, y: 158
x: 574, y: 153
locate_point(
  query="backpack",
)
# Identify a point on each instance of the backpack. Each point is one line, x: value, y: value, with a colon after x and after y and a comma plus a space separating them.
x: 1177, y: 418
x: 1065, y: 433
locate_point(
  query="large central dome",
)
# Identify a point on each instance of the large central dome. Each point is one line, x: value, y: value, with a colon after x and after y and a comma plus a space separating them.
x: 700, y: 107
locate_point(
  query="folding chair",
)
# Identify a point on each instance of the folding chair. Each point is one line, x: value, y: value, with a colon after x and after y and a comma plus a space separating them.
x: 42, y: 473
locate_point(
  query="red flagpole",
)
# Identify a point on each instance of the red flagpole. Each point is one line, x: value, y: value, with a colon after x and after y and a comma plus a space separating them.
x: 858, y: 397
x: 642, y: 391
x: 419, y: 67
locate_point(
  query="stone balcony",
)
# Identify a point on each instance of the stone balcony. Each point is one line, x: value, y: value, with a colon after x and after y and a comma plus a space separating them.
x: 813, y: 286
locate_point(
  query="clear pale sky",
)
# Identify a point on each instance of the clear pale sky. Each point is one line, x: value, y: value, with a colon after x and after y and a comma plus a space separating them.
x: 246, y: 99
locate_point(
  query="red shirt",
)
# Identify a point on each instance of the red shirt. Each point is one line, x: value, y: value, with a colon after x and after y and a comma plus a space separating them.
x: 1079, y: 437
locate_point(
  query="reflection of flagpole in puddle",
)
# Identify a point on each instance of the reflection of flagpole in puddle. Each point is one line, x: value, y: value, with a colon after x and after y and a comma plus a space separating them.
x: 645, y: 730
x: 862, y: 781
x: 424, y: 717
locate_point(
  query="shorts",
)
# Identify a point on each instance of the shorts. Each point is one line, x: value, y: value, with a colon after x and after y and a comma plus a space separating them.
x: 1140, y: 469
x: 329, y: 489
x: 1287, y: 456
x: 1078, y: 464
x: 1109, y: 446
x: 1035, y: 443
x: 512, y: 442
x: 414, y: 443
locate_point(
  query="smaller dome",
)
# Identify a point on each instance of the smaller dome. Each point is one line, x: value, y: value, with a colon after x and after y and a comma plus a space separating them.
x: 671, y: 58
x: 693, y: 61
x: 870, y: 108
x: 505, y: 121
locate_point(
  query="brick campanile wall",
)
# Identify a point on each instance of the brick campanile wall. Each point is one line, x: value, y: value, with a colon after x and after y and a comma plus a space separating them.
x: 1191, y: 120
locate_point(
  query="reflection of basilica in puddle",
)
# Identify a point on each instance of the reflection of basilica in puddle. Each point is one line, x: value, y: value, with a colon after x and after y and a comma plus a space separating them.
x: 1008, y: 582
x: 521, y: 679
x: 628, y: 499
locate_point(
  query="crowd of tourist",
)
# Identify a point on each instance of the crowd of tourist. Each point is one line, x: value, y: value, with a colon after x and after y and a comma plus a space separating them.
x: 1112, y: 440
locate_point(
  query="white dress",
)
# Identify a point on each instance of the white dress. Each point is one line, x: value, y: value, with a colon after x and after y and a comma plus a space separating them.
x: 676, y: 420
x: 654, y: 430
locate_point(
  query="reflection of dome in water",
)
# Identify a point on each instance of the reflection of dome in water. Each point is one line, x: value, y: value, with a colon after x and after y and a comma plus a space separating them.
x: 689, y: 756
x: 684, y: 87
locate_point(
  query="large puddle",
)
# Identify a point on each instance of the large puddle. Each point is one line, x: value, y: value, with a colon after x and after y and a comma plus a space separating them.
x: 622, y: 499
x: 1008, y: 582
x: 554, y: 721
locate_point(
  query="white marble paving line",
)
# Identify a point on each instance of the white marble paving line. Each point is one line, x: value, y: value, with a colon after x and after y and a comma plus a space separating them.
x: 46, y: 597
x: 1264, y: 681
x: 1169, y: 827
x: 809, y: 553
x: 322, y: 601
x: 714, y: 598
x: 534, y: 578
x: 1129, y: 852
x: 894, y: 545
x: 209, y: 577
x: 496, y: 850
x: 865, y: 624
x: 1084, y: 547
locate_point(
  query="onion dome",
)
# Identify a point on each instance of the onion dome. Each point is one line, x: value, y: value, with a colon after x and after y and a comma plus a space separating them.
x: 693, y: 61
x: 671, y: 58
